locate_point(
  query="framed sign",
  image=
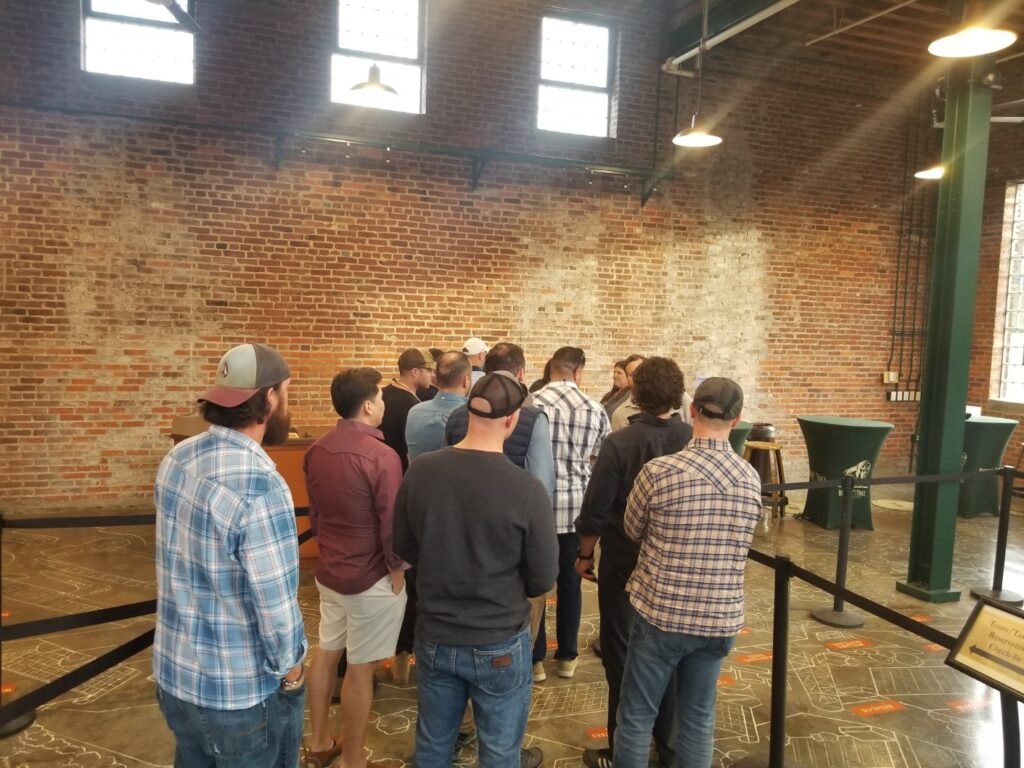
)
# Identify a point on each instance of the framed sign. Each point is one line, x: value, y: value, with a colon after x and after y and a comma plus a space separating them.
x: 991, y: 647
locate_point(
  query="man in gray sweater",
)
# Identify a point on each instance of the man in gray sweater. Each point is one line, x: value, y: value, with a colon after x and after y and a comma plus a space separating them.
x: 480, y: 532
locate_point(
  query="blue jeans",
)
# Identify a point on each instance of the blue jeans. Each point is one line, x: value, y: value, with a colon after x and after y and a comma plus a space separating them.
x: 496, y: 676
x: 652, y: 658
x: 570, y: 598
x: 267, y: 735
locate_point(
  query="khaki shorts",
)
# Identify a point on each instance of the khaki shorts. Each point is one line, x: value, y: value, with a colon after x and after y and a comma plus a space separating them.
x: 365, y: 625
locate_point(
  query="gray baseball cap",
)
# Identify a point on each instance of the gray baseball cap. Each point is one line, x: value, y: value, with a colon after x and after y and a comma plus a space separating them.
x: 243, y: 371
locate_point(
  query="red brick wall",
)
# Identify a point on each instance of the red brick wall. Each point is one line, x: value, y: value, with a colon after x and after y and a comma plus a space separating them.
x: 134, y: 253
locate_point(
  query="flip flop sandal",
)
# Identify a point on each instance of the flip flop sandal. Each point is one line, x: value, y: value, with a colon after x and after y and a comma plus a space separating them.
x: 324, y: 757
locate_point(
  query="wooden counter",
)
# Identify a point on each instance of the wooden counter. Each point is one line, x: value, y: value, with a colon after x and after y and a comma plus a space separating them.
x: 287, y: 457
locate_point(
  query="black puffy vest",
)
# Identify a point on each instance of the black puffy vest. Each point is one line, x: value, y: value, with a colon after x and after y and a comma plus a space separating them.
x: 516, y: 445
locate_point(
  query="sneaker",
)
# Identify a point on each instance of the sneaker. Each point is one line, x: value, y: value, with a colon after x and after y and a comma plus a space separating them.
x: 539, y: 675
x: 400, y: 668
x: 598, y: 758
x: 566, y: 667
x: 531, y: 757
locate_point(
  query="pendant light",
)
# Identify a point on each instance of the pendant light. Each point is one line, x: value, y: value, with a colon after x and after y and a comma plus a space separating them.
x: 698, y: 135
x: 974, y: 37
x: 373, y: 92
x: 934, y: 173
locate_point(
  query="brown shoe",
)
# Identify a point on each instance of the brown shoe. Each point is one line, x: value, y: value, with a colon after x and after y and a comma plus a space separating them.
x: 400, y: 668
x: 324, y: 757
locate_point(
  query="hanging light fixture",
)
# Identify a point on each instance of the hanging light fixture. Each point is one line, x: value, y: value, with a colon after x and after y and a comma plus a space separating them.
x: 974, y: 37
x: 373, y: 91
x: 698, y: 135
x: 931, y: 174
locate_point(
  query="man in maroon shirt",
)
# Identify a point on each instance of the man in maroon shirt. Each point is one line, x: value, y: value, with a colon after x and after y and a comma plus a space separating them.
x: 352, y: 477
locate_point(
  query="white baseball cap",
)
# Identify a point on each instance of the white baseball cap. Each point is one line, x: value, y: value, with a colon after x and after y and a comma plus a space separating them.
x: 474, y: 346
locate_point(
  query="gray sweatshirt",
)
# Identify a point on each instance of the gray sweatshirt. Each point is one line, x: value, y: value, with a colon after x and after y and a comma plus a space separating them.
x: 480, y: 532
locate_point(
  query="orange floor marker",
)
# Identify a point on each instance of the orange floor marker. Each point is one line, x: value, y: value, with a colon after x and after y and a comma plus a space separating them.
x: 847, y: 645
x: 726, y: 680
x: 552, y: 645
x: 753, y: 658
x: 551, y: 601
x: 922, y: 617
x: 597, y: 734
x: 878, y: 708
x: 934, y: 648
x: 7, y: 688
x: 966, y: 705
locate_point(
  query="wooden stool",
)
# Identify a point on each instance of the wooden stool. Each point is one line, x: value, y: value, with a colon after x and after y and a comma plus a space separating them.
x: 760, y: 453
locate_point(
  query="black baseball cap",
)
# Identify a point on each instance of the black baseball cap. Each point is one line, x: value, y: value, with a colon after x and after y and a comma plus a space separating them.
x: 497, y: 395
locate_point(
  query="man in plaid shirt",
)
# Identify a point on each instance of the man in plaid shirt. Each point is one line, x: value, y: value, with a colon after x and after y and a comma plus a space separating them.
x: 693, y: 514
x: 229, y: 643
x: 579, y: 424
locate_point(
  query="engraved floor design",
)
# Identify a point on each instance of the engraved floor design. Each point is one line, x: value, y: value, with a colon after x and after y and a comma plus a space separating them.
x: 872, y: 697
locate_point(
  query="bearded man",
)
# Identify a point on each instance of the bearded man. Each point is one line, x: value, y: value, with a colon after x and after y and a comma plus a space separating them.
x: 229, y: 645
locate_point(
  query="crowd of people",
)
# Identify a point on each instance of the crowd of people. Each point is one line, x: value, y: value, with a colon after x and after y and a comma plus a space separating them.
x: 446, y: 505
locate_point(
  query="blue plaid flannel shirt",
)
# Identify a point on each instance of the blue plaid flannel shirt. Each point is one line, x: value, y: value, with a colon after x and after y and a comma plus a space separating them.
x: 228, y: 622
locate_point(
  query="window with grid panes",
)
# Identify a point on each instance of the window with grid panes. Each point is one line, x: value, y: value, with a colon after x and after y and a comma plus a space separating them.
x: 385, y: 33
x: 134, y: 38
x: 1011, y: 378
x: 575, y: 91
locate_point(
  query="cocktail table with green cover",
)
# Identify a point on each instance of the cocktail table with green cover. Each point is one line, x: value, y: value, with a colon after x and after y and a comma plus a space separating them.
x: 834, y: 446
x: 739, y: 434
x: 985, y: 439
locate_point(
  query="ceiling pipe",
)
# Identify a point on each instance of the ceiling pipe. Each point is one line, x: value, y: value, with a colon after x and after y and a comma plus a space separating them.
x: 734, y: 30
x: 857, y: 23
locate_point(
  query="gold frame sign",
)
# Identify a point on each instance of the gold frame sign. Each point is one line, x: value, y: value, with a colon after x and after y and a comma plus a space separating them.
x: 991, y: 647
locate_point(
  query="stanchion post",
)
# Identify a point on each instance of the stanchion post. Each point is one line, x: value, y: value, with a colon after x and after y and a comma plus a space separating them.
x: 837, y: 615
x: 997, y: 592
x: 776, y: 757
x: 1011, y: 731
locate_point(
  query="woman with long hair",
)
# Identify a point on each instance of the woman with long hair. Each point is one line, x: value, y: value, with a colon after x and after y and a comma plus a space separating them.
x: 621, y: 390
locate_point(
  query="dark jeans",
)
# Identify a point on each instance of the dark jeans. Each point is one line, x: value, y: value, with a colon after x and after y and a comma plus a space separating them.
x: 407, y: 635
x: 495, y: 676
x: 267, y: 735
x: 540, y: 643
x: 654, y: 655
x: 570, y: 598
x: 616, y: 621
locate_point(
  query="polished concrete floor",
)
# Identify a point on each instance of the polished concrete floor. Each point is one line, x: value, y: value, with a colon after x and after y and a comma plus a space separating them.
x: 886, y: 700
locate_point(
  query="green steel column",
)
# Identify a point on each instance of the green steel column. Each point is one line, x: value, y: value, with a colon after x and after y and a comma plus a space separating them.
x: 950, y: 325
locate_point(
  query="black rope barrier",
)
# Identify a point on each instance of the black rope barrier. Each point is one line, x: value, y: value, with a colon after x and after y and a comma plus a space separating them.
x: 877, y: 609
x: 73, y: 679
x: 76, y: 621
x: 26, y: 704
x: 93, y: 521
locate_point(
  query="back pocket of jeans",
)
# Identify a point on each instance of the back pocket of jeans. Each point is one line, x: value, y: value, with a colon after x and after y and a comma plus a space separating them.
x: 501, y: 670
x: 235, y: 733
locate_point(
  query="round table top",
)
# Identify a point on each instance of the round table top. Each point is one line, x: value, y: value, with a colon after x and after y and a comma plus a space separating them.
x: 989, y: 420
x: 841, y: 421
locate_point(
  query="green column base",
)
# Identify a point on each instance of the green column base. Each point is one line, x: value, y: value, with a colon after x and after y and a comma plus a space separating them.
x: 921, y: 592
